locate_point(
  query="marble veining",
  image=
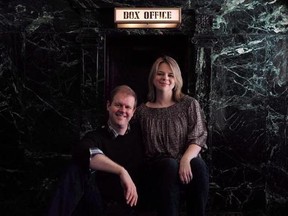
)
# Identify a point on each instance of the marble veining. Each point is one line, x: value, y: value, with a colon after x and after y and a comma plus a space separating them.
x: 53, y: 79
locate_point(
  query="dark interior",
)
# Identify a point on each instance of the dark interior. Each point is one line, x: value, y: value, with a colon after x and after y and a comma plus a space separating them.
x: 129, y: 59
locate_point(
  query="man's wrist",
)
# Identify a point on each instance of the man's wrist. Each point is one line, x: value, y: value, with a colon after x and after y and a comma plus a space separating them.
x: 122, y: 170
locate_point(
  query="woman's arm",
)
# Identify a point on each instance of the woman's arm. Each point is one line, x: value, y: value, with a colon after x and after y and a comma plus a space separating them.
x: 185, y: 171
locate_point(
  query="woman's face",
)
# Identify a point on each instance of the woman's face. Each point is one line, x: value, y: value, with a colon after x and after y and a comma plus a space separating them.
x: 164, y: 79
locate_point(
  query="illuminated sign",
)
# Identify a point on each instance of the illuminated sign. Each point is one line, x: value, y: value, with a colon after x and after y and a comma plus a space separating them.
x: 147, y: 17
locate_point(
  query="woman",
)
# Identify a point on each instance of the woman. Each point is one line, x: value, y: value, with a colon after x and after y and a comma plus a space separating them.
x: 174, y: 133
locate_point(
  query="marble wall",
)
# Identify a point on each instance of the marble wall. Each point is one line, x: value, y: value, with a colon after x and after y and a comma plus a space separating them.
x: 52, y: 78
x: 249, y: 106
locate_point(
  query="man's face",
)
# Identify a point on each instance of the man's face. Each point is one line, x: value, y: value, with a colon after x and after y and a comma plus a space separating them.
x: 121, y: 110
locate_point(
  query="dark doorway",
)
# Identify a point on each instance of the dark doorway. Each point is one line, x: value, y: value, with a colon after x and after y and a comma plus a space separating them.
x: 129, y: 58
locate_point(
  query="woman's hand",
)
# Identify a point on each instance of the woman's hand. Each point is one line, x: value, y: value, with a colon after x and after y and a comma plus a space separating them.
x: 185, y: 171
x: 130, y: 191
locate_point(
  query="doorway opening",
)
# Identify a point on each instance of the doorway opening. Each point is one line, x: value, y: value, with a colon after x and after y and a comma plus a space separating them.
x: 129, y: 59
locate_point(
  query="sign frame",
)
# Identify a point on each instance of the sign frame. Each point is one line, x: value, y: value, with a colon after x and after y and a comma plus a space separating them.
x: 165, y: 17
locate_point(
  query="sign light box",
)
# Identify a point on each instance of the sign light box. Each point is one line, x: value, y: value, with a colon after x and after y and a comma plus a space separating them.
x: 147, y: 17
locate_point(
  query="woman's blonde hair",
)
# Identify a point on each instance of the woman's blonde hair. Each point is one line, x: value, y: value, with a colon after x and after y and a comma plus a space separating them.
x: 177, y: 91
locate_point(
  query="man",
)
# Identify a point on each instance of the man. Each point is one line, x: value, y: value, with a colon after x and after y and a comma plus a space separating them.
x: 106, y: 164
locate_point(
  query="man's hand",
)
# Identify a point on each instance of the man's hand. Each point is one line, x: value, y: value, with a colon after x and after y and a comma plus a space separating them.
x: 130, y: 191
x: 103, y: 163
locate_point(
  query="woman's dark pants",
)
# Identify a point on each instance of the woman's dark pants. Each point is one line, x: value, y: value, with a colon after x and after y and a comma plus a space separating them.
x: 165, y: 187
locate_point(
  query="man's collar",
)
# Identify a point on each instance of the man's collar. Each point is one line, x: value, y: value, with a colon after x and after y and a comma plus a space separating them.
x: 113, y: 131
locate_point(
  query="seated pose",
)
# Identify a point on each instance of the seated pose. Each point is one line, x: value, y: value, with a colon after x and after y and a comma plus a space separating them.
x: 174, y: 134
x: 105, y: 165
